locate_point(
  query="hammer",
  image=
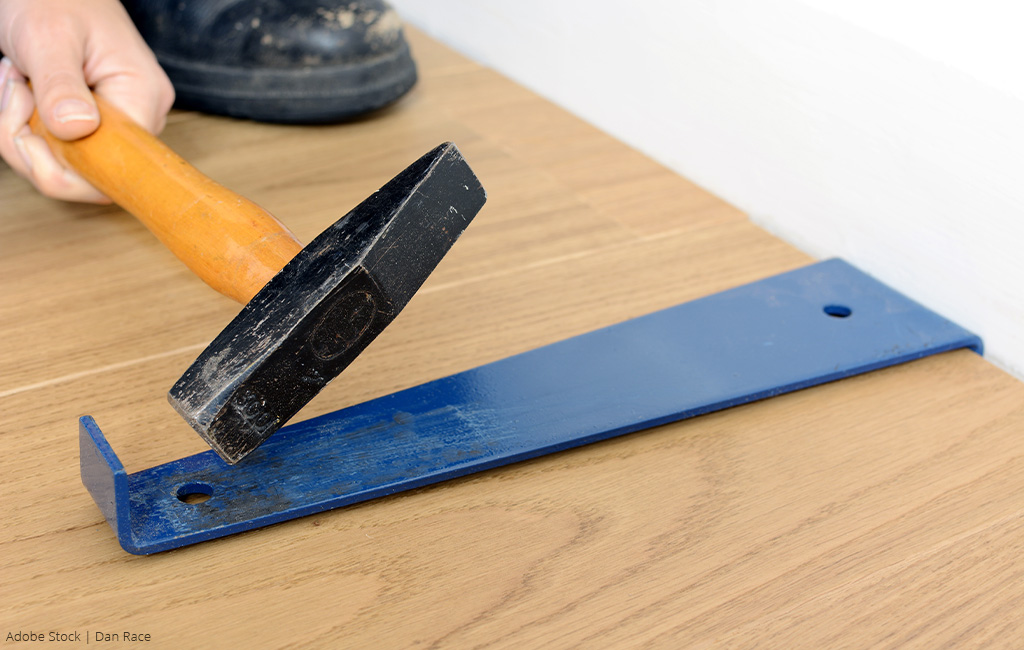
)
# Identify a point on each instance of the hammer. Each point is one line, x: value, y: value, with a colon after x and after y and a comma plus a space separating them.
x: 309, y: 311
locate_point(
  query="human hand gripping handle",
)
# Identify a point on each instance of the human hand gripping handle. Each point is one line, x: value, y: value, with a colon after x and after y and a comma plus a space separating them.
x: 234, y: 245
x: 65, y: 48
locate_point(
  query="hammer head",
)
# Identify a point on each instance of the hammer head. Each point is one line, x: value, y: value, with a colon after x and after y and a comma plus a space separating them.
x: 326, y: 305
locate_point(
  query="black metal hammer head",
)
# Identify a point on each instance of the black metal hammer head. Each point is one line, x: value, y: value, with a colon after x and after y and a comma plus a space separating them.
x: 326, y: 305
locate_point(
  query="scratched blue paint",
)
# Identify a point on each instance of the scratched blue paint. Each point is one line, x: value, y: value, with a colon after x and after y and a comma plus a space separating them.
x: 802, y: 328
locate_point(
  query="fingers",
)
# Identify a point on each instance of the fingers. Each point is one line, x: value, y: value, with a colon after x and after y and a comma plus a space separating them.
x: 127, y: 74
x: 66, y: 47
x: 29, y: 155
x: 145, y: 95
x: 15, y: 109
x: 61, y: 95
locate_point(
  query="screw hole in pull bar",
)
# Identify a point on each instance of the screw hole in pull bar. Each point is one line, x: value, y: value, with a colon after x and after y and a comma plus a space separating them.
x: 193, y: 493
x: 838, y: 311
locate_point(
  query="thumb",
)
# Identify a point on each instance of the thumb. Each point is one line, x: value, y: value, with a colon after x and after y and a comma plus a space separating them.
x: 63, y: 99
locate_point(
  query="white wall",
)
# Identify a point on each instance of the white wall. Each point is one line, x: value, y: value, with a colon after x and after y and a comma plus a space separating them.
x: 890, y: 133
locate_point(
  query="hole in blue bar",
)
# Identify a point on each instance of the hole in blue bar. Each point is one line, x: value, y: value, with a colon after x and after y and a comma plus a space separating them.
x: 193, y: 493
x: 838, y: 311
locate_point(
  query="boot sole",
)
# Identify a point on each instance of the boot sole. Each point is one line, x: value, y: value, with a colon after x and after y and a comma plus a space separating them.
x: 308, y: 95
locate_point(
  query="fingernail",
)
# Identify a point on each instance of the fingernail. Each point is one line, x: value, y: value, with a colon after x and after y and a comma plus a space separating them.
x: 8, y: 88
x: 5, y: 69
x: 71, y: 110
x: 19, y: 144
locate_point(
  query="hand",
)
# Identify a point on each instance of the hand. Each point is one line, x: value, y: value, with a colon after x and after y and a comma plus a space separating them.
x: 66, y: 47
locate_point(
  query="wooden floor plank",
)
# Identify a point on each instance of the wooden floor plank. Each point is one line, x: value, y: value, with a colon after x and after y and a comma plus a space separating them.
x: 885, y: 510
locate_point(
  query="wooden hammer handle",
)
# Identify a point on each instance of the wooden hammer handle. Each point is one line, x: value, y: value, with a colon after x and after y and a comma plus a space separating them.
x: 234, y: 245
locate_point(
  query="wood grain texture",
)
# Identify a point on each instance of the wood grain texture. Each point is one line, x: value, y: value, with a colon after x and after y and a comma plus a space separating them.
x: 882, y: 511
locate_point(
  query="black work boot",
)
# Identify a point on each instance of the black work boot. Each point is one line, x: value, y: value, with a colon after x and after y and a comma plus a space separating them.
x: 293, y: 61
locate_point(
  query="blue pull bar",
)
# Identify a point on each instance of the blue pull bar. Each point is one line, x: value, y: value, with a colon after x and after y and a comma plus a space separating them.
x: 823, y: 322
